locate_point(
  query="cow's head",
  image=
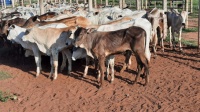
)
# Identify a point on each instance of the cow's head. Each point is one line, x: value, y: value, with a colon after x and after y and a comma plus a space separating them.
x: 184, y: 15
x: 81, y: 36
x: 5, y: 27
x: 12, y: 33
x: 32, y: 21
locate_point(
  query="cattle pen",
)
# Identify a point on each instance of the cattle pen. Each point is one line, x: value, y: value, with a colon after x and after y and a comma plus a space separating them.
x: 53, y: 52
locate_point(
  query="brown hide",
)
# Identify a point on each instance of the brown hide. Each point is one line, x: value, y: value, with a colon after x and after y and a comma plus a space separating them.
x: 47, y: 16
x: 71, y: 21
x: 7, y: 23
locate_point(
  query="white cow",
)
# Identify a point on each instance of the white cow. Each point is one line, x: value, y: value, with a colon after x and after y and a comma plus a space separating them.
x: 15, y: 34
x: 51, y: 41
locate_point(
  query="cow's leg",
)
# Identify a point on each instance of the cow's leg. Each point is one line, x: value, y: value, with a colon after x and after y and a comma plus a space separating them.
x: 37, y: 56
x: 52, y: 67
x: 112, y: 64
x: 108, y: 61
x: 162, y: 45
x: 154, y: 44
x: 55, y: 64
x: 179, y: 39
x: 170, y: 37
x: 173, y: 39
x: 127, y: 61
x: 87, y: 59
x: 139, y: 67
x: 102, y: 69
x: 63, y: 65
x: 69, y: 58
x: 146, y: 67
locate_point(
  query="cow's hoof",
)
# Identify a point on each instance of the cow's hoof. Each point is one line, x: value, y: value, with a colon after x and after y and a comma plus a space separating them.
x: 106, y: 78
x: 145, y: 84
x: 84, y: 75
x: 181, y: 50
x: 111, y: 81
x: 162, y: 50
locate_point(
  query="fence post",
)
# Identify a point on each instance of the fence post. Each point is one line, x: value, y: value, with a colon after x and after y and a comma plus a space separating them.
x: 199, y: 29
x: 186, y: 9
x: 191, y: 6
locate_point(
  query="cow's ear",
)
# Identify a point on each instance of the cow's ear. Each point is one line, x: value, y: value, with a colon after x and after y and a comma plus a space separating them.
x: 11, y: 27
x: 91, y: 30
x: 35, y: 18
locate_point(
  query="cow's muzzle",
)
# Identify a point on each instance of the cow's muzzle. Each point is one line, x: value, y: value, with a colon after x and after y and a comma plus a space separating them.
x: 183, y: 24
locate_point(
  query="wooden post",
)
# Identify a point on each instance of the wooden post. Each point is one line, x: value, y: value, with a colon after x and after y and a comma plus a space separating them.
x: 146, y: 1
x: 85, y: 1
x: 155, y: 4
x: 13, y: 3
x: 138, y: 4
x: 120, y: 4
x: 70, y: 2
x: 30, y: 2
x: 90, y: 5
x: 191, y: 6
x: 186, y: 9
x: 165, y: 5
x: 142, y: 4
x: 76, y: 1
x: 95, y: 3
x: 171, y: 4
x: 4, y: 3
x: 106, y: 2
x: 199, y: 29
x: 41, y: 7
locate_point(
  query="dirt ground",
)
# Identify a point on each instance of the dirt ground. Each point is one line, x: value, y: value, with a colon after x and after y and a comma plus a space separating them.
x: 174, y: 86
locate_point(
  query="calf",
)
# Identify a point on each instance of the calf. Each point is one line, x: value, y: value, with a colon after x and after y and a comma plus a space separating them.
x: 175, y: 23
x: 99, y: 45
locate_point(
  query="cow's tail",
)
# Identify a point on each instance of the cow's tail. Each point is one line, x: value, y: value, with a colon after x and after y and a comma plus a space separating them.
x: 146, y: 43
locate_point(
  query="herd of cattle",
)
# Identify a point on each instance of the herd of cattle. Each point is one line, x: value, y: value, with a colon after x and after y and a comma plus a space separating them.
x: 97, y: 35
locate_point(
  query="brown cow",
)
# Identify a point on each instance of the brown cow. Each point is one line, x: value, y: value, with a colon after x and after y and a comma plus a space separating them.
x: 71, y: 21
x: 99, y: 45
